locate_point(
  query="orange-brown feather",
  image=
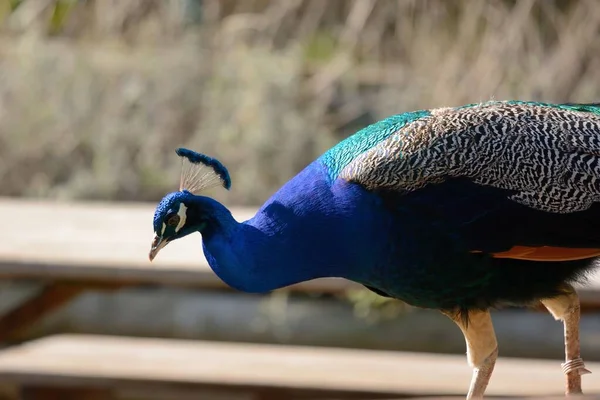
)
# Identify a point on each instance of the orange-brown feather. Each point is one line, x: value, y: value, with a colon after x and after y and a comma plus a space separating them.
x: 547, y: 253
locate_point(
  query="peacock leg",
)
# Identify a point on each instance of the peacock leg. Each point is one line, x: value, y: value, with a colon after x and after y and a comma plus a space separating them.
x: 566, y: 308
x: 482, y: 348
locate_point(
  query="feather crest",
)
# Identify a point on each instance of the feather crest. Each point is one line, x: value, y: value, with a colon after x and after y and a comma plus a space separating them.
x: 200, y: 172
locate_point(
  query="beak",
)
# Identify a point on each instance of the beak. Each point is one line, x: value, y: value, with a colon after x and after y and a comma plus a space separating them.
x: 157, y: 244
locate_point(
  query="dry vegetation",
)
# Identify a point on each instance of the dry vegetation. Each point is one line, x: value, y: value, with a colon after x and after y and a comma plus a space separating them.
x: 95, y: 95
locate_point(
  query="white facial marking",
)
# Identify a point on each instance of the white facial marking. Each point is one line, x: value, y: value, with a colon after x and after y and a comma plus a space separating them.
x: 162, y: 233
x: 182, y: 212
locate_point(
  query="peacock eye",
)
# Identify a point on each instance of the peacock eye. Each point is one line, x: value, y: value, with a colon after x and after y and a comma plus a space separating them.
x: 173, y: 220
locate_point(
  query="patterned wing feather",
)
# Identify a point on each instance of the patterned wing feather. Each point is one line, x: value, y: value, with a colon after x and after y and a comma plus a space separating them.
x: 547, y: 155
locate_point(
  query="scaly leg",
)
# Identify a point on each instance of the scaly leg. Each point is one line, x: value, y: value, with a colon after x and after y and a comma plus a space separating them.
x: 566, y: 308
x: 482, y: 348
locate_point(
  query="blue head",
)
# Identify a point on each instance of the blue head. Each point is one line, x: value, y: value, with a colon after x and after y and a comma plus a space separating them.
x: 180, y: 213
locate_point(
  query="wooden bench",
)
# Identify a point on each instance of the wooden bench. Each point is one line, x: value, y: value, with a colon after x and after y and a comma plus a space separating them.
x: 71, y: 248
x: 71, y: 366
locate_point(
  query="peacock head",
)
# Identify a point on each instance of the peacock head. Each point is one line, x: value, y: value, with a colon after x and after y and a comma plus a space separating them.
x: 178, y: 214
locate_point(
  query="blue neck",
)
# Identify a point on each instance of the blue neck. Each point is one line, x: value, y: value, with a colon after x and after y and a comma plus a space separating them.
x: 309, y: 229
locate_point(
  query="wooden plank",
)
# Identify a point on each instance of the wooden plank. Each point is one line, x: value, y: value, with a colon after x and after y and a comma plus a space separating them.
x: 304, y: 320
x: 58, y: 393
x: 109, y: 242
x: 112, y: 362
x: 50, y: 298
x: 579, y: 397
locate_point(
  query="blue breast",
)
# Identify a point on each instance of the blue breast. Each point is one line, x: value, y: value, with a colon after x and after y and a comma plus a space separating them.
x: 340, y: 229
x: 313, y: 228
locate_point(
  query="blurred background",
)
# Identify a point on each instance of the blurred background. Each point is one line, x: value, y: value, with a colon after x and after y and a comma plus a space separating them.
x: 95, y: 95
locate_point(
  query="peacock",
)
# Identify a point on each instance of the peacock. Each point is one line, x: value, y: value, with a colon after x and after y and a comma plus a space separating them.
x: 459, y: 209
